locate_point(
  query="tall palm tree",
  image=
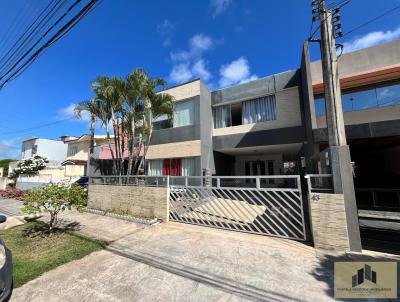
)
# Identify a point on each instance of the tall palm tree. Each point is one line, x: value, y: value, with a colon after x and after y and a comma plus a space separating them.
x: 92, y: 107
x: 130, y: 105
x: 144, y: 106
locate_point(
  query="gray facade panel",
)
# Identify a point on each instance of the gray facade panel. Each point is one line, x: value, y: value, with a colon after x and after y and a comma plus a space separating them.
x: 260, y: 138
x: 258, y: 87
x: 367, y: 130
x: 175, y: 135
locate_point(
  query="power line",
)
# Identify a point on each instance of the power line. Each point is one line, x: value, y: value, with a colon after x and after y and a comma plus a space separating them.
x: 373, y: 20
x: 36, y: 127
x: 15, y: 50
x: 17, y: 65
x: 333, y: 6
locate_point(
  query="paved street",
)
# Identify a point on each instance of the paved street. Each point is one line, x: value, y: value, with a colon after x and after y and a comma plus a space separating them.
x: 10, y: 207
x: 177, y: 262
x: 180, y: 262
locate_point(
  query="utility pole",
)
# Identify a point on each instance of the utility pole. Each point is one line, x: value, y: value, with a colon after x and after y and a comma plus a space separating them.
x: 339, y: 152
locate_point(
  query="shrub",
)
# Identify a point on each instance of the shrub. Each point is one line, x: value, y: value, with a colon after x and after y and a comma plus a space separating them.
x: 53, y: 199
x: 13, y: 193
x: 30, y: 166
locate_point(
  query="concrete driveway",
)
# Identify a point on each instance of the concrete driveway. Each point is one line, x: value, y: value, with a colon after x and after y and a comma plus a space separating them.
x: 179, y: 262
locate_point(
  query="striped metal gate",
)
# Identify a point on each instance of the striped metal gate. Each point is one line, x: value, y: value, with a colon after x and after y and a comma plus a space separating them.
x: 266, y: 205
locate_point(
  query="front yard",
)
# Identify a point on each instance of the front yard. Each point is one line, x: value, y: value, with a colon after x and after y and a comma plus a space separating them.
x: 35, y: 253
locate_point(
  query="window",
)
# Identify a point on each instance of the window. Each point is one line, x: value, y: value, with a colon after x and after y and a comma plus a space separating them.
x: 184, y: 113
x: 34, y: 149
x: 73, y: 150
x: 366, y: 99
x: 172, y: 167
x: 258, y: 110
x: 222, y: 116
x: 155, y: 167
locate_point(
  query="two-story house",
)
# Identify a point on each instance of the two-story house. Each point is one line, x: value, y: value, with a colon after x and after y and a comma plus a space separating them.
x: 277, y: 125
x: 78, y: 153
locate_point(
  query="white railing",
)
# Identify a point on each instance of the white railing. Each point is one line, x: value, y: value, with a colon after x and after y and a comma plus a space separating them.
x: 131, y: 180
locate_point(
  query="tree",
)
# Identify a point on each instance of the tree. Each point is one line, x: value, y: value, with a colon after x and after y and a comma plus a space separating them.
x: 29, y: 166
x: 53, y: 199
x: 130, y: 105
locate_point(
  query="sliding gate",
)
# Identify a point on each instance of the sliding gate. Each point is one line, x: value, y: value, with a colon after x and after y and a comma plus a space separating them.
x: 267, y: 205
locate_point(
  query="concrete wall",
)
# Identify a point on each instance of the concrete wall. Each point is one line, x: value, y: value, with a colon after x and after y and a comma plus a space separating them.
x: 376, y: 57
x: 175, y: 150
x: 26, y: 148
x: 146, y: 202
x: 4, y: 181
x: 206, y: 129
x: 257, y: 88
x: 74, y: 170
x: 185, y: 90
x: 54, y: 151
x: 82, y: 150
x: 328, y: 222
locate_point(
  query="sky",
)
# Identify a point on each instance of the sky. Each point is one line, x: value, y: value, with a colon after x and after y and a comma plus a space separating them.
x: 224, y: 42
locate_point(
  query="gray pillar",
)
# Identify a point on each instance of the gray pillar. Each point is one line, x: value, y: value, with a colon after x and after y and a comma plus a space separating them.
x: 342, y: 177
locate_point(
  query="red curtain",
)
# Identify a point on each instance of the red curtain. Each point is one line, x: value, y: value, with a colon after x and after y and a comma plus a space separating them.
x: 172, y: 167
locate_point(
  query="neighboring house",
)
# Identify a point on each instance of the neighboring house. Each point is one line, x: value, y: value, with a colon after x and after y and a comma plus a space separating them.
x: 264, y: 126
x: 54, y: 150
x: 78, y: 153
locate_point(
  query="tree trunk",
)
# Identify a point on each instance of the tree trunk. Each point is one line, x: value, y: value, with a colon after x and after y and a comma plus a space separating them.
x: 92, y: 121
x: 132, y: 146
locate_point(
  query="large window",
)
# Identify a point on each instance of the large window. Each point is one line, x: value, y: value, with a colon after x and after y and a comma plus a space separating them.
x: 258, y: 110
x: 184, y: 113
x: 371, y: 98
x: 172, y: 167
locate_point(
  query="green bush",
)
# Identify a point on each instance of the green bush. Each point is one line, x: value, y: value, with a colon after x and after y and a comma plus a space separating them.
x: 53, y: 199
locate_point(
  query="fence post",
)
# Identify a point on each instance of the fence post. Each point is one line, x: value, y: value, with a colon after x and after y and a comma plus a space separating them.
x: 186, y: 181
x: 168, y: 181
x: 258, y: 183
x: 218, y: 182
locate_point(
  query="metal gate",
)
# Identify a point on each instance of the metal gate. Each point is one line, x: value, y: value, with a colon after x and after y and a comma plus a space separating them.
x: 267, y: 205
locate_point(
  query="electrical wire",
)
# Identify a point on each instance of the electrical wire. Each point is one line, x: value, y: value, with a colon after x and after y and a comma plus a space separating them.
x: 16, y: 69
x: 373, y: 20
x: 61, y: 33
x: 339, y: 5
x: 36, y: 127
x: 16, y: 50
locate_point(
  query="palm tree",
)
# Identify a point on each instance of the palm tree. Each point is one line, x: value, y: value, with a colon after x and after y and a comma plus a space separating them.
x: 144, y: 106
x: 92, y: 107
x: 130, y: 105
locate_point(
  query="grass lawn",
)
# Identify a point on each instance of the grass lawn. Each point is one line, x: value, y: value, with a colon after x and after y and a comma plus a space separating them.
x: 34, y: 255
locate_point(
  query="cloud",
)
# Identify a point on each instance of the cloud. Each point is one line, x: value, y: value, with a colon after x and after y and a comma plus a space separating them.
x: 236, y: 72
x: 10, y: 149
x: 181, y: 73
x: 198, y: 44
x: 371, y: 39
x: 219, y: 6
x: 68, y: 113
x: 199, y: 69
x: 166, y: 30
x: 189, y: 64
